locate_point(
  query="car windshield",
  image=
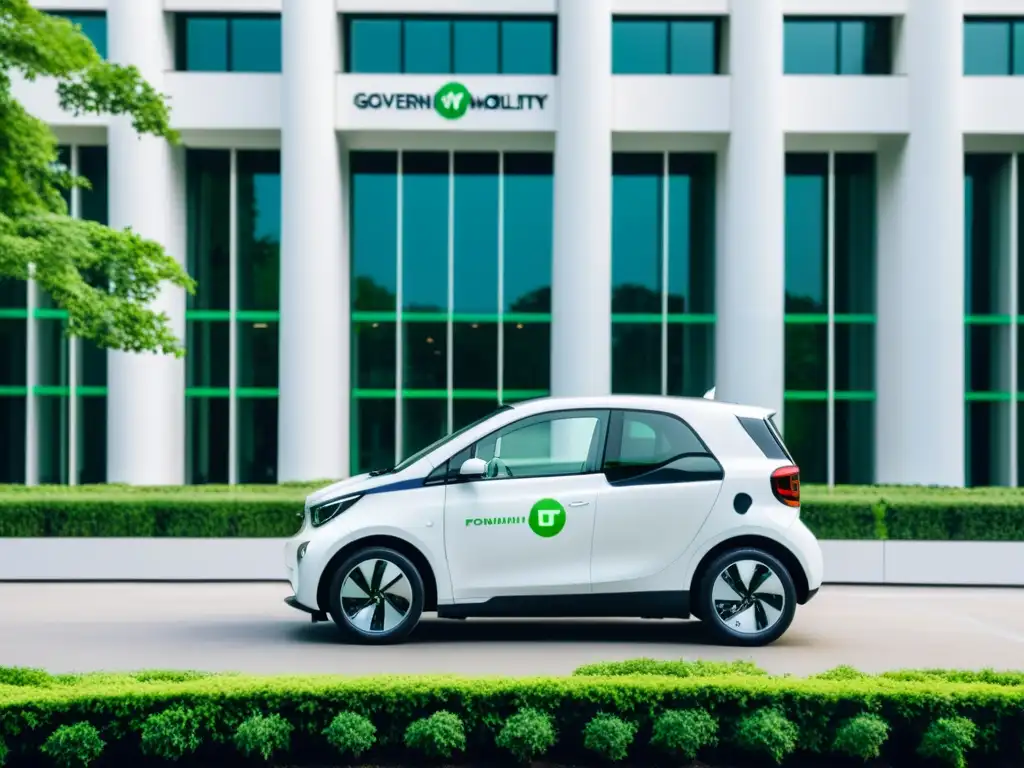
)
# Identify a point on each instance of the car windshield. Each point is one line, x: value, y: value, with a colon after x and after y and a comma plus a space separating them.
x: 446, y: 439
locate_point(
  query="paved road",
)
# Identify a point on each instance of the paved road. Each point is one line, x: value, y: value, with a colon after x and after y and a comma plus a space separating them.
x: 247, y: 628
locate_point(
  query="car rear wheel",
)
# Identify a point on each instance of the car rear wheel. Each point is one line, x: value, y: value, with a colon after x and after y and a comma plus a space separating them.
x: 376, y: 596
x: 747, y: 597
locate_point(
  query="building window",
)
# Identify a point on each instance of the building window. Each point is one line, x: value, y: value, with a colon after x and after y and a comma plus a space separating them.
x: 236, y: 43
x: 993, y: 46
x: 815, y: 46
x: 232, y: 335
x: 657, y: 46
x: 465, y: 45
x: 663, y: 271
x: 93, y: 25
x: 446, y: 325
x: 830, y: 315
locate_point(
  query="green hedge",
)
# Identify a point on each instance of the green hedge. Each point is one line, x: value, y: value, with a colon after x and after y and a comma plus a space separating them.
x: 642, y: 711
x: 845, y: 512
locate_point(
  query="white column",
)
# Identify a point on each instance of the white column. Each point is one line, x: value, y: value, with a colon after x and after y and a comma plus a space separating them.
x: 582, y: 266
x: 920, y: 334
x: 751, y: 264
x: 146, y: 392
x: 313, y: 416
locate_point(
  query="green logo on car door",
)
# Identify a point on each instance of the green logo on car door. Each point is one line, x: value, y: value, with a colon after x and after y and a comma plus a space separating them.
x: 547, y: 518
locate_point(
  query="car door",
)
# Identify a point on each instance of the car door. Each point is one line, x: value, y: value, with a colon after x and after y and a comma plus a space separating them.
x: 662, y: 484
x: 526, y: 527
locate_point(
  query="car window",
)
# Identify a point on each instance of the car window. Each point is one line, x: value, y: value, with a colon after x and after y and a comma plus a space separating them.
x: 543, y: 447
x: 651, y: 439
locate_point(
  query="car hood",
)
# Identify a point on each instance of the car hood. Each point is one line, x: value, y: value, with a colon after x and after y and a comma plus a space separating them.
x: 357, y: 484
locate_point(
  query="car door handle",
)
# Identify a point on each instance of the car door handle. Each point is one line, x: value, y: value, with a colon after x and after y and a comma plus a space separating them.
x: 578, y: 503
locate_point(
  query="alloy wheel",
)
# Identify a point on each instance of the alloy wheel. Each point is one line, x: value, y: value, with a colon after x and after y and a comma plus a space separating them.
x: 376, y: 596
x: 749, y: 597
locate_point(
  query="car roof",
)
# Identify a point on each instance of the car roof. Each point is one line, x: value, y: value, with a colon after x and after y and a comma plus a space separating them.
x: 642, y: 402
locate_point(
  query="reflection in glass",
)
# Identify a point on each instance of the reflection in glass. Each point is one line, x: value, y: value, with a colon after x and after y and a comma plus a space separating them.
x: 256, y: 44
x: 984, y: 200
x: 806, y: 233
x: 374, y: 46
x: 528, y: 47
x: 465, y: 412
x: 425, y: 231
x: 428, y: 47
x: 691, y: 233
x: 92, y: 365
x: 208, y: 357
x: 475, y: 270
x: 257, y: 440
x: 13, y: 335
x: 426, y: 361
x: 232, y: 43
x: 637, y: 189
x: 257, y: 354
x: 693, y: 47
x: 475, y: 356
x: 639, y: 46
x: 207, y: 430
x: 13, y: 293
x: 854, y: 443
x: 984, y: 352
x: 805, y: 427
x: 92, y: 440
x: 374, y: 230
x: 528, y: 231
x: 51, y: 354
x: 476, y: 47
x: 92, y: 164
x: 691, y: 359
x: 806, y: 357
x: 52, y: 443
x: 527, y: 364
x: 986, y: 441
x: 837, y: 47
x: 373, y: 428
x: 373, y: 350
x: 12, y: 439
x: 259, y: 229
x: 208, y: 184
x: 987, y: 47
x: 855, y: 357
x: 202, y: 44
x: 423, y: 421
x: 636, y: 358
x: 855, y: 233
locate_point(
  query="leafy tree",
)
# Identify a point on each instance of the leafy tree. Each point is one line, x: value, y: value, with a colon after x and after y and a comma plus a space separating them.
x: 104, y: 278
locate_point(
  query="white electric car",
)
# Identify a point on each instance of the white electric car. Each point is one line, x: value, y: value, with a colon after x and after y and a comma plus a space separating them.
x: 617, y: 506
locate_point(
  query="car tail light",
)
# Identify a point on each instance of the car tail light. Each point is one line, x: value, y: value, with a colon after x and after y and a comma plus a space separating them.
x: 786, y: 485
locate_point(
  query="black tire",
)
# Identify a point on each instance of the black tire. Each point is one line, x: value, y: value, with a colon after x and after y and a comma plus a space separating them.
x: 742, y: 627
x: 377, y: 633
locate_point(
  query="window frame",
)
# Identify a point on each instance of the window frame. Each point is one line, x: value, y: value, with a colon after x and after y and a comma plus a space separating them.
x: 880, y: 21
x: 445, y: 474
x: 613, y: 446
x: 401, y: 19
x: 181, y: 38
x: 669, y: 21
x: 1010, y: 22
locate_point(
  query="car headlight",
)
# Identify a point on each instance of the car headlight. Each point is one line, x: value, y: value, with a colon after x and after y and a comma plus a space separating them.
x: 328, y: 510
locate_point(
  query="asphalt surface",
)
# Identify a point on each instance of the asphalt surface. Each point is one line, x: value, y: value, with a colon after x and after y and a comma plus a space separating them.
x: 247, y: 628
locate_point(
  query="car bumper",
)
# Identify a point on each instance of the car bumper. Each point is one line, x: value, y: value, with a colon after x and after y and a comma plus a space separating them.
x: 317, y: 615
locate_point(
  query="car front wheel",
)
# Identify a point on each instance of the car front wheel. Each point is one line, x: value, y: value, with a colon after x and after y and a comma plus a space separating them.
x: 747, y: 597
x: 376, y: 596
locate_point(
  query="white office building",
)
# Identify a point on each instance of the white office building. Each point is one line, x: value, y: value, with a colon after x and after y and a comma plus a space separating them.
x: 401, y: 213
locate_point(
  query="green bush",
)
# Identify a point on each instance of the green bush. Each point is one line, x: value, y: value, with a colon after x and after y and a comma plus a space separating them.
x: 768, y: 732
x: 844, y: 512
x: 74, y: 745
x: 171, y: 734
x: 948, y: 740
x: 609, y: 736
x: 681, y: 668
x: 351, y: 734
x: 439, y: 736
x: 528, y: 734
x: 263, y: 735
x: 3, y: 752
x: 684, y: 733
x: 861, y: 736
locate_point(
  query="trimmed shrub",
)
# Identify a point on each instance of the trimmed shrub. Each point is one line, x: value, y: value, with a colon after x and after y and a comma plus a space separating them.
x: 681, y: 668
x: 684, y: 733
x: 439, y: 736
x: 767, y: 732
x: 74, y: 745
x: 351, y: 734
x: 171, y: 734
x: 609, y: 736
x: 528, y: 734
x: 263, y: 735
x: 948, y: 740
x: 861, y: 736
x: 3, y: 752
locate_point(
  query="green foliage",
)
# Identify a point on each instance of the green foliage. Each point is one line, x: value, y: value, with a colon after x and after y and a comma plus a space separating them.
x: 948, y: 740
x: 439, y: 736
x: 3, y: 753
x: 683, y: 733
x: 74, y: 745
x: 351, y: 734
x: 263, y: 735
x: 769, y: 732
x: 24, y: 676
x: 845, y: 512
x: 609, y: 736
x: 528, y: 734
x: 171, y: 734
x: 681, y: 668
x: 861, y: 736
x: 106, y: 279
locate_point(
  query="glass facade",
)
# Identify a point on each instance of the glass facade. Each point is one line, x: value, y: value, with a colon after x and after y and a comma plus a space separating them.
x: 830, y: 315
x: 451, y: 292
x: 93, y: 25
x: 666, y: 46
x: 232, y: 321
x: 993, y: 46
x: 814, y: 46
x: 663, y: 273
x: 228, y: 43
x: 471, y: 45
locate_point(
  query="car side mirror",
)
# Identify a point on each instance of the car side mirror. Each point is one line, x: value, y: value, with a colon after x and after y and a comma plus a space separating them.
x: 473, y: 468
